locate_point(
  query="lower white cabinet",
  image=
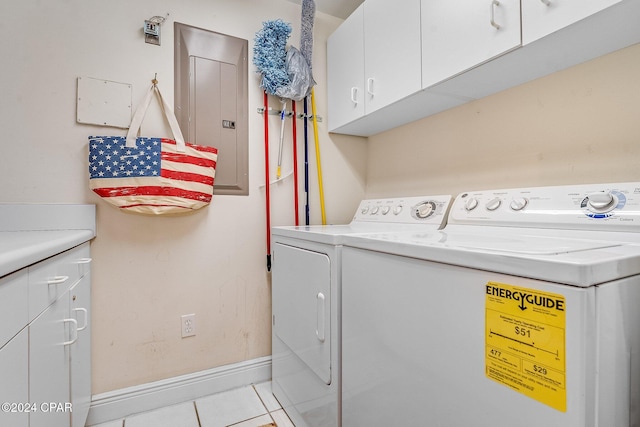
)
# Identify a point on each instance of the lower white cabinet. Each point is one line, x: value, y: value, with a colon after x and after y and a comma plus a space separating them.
x: 49, y: 335
x: 80, y: 304
x: 14, y: 389
x: 45, y: 369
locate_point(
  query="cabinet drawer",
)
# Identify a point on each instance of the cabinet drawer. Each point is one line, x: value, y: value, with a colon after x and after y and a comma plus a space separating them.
x: 51, y: 278
x: 80, y: 259
x: 14, y: 305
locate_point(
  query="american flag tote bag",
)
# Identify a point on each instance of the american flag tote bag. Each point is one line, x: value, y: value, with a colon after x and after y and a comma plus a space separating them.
x: 152, y: 175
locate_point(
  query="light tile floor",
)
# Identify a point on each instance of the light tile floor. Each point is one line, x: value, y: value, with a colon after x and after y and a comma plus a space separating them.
x: 250, y: 406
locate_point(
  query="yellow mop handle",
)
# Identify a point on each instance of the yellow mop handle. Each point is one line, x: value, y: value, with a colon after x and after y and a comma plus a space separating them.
x: 319, y: 166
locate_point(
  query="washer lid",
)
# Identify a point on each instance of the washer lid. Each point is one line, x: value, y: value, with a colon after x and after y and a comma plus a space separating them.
x: 533, y: 245
x: 578, y: 262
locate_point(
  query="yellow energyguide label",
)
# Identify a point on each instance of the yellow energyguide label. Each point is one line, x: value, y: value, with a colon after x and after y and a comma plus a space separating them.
x: 525, y: 342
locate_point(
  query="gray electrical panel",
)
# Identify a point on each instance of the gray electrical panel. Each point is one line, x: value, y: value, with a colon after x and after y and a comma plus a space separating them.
x: 211, y: 100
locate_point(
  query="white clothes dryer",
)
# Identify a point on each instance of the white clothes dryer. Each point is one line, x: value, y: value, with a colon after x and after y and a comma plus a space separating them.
x: 306, y: 278
x: 524, y: 311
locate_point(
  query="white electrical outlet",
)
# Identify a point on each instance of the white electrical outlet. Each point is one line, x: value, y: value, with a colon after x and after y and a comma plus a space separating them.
x: 188, y: 325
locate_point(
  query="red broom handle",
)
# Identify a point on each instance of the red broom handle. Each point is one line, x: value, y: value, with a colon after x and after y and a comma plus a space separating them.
x: 266, y: 174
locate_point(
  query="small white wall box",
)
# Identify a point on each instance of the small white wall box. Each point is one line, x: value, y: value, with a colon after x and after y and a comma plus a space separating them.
x: 103, y: 102
x: 152, y: 32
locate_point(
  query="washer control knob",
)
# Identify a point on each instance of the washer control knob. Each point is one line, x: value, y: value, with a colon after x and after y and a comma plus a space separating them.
x: 493, y: 204
x: 385, y: 210
x: 375, y: 210
x: 471, y: 204
x: 364, y: 210
x: 601, y: 201
x: 397, y: 210
x: 424, y: 209
x: 519, y: 203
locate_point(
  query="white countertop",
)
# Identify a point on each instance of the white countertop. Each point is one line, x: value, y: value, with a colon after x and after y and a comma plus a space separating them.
x: 30, y: 233
x: 19, y: 249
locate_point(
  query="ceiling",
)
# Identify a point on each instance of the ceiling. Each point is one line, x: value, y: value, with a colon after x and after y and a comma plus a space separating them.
x: 337, y: 8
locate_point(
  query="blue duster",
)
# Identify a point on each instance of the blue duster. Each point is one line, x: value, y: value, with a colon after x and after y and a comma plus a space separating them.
x: 270, y: 56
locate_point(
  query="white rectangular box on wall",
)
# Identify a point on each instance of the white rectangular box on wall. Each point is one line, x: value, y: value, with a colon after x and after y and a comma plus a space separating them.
x: 103, y: 102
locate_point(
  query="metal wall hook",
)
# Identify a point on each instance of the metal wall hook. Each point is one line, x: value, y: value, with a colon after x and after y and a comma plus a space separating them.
x: 288, y: 114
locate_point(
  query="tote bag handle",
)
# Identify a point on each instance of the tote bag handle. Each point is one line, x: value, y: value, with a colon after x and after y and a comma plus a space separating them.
x: 136, y: 122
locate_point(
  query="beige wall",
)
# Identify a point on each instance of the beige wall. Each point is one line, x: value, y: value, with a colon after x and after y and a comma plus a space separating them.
x: 580, y: 125
x: 148, y: 271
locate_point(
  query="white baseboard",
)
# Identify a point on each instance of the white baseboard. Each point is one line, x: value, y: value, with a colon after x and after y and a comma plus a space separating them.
x: 118, y: 404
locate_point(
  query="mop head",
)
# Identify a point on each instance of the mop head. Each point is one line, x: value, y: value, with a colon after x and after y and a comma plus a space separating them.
x: 306, y: 29
x: 270, y: 56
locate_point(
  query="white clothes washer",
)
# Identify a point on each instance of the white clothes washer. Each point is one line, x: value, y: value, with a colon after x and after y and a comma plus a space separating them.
x: 306, y: 277
x: 524, y: 311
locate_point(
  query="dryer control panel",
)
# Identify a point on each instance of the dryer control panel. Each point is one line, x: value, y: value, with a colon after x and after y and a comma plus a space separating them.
x: 606, y: 207
x: 405, y: 210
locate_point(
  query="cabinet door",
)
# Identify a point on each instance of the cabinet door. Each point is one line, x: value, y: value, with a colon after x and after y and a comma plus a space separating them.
x: 391, y: 51
x: 458, y: 35
x: 543, y: 17
x: 49, y: 365
x: 14, y: 303
x: 80, y: 305
x: 302, y: 306
x: 345, y: 71
x: 14, y: 380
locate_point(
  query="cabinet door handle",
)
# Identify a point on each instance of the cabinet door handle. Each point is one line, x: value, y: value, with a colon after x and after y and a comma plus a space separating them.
x: 86, y: 318
x: 370, y: 86
x: 57, y: 280
x: 320, y: 333
x: 546, y: 2
x: 354, y: 94
x: 494, y: 3
x: 84, y: 260
x: 75, y: 338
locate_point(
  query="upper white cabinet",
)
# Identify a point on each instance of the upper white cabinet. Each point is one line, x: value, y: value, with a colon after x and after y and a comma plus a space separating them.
x: 391, y: 51
x: 460, y: 34
x: 345, y: 74
x: 374, y: 59
x: 469, y: 49
x: 543, y: 17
